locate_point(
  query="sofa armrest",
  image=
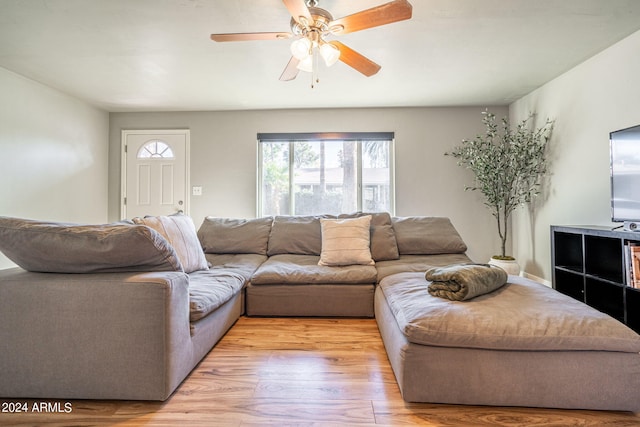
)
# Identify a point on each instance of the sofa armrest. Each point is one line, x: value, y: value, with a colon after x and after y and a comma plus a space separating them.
x: 93, y: 336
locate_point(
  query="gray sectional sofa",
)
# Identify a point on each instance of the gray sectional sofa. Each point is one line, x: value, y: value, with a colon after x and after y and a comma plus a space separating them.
x: 126, y: 310
x: 291, y: 283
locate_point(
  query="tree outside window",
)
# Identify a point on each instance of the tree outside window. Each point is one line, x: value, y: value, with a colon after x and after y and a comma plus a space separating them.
x: 319, y: 174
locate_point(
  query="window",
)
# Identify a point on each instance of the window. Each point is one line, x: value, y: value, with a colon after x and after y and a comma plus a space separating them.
x: 306, y: 174
x: 155, y: 149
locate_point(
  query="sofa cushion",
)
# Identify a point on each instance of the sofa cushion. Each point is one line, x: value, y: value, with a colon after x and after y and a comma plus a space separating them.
x: 73, y: 248
x: 243, y: 264
x: 522, y: 315
x: 304, y: 269
x: 235, y: 236
x: 209, y: 289
x: 299, y: 235
x: 181, y: 234
x: 345, y: 241
x: 419, y: 235
x: 310, y: 300
x: 419, y: 263
x: 383, y: 239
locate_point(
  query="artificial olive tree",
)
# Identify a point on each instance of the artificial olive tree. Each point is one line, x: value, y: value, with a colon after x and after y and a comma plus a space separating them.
x: 508, y: 164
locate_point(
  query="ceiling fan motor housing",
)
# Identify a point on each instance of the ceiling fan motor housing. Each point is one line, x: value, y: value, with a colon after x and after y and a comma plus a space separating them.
x: 320, y: 24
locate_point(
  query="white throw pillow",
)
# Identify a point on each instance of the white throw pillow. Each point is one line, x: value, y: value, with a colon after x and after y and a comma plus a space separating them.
x: 180, y: 231
x: 346, y: 241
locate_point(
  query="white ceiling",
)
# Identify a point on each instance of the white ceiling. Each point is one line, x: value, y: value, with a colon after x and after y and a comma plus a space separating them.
x: 156, y: 55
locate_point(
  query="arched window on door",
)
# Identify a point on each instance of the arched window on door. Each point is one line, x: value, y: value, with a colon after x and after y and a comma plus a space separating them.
x: 155, y: 149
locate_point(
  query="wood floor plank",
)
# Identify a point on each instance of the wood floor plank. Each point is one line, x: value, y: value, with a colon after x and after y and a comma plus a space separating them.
x: 402, y: 413
x: 324, y: 390
x: 338, y: 412
x: 300, y: 372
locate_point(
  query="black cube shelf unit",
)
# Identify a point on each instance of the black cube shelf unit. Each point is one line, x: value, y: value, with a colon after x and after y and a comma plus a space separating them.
x: 589, y: 264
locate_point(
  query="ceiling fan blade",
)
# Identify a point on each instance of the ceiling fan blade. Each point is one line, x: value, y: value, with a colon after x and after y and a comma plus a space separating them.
x: 299, y: 11
x: 355, y: 60
x: 240, y: 37
x: 397, y: 10
x: 290, y: 71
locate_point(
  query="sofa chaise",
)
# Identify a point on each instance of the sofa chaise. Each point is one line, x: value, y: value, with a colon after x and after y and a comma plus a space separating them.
x: 521, y: 345
x: 126, y: 310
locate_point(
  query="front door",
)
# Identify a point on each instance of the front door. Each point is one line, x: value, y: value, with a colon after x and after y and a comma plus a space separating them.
x: 155, y: 172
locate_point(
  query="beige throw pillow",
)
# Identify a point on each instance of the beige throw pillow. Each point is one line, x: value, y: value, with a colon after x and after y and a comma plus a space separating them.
x: 180, y: 231
x: 345, y: 241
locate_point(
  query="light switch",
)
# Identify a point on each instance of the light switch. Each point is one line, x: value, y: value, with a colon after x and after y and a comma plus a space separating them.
x: 196, y: 191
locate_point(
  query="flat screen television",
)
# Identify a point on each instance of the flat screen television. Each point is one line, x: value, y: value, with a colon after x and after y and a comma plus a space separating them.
x: 625, y: 174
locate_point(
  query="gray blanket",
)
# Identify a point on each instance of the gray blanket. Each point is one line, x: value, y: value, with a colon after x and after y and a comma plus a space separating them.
x: 464, y: 281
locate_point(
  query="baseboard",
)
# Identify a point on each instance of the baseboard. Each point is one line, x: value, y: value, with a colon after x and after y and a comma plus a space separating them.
x: 537, y: 279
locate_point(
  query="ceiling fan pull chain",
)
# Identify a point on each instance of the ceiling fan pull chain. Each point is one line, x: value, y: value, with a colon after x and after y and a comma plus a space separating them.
x: 314, y: 68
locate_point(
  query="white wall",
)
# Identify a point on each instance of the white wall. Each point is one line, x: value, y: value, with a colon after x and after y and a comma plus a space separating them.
x: 224, y: 156
x: 53, y: 155
x: 596, y: 97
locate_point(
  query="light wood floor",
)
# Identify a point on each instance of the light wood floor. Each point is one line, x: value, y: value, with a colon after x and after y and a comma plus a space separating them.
x: 316, y: 372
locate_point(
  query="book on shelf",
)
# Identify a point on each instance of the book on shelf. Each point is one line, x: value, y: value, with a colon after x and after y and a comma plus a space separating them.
x: 628, y: 279
x: 632, y: 264
x: 635, y: 263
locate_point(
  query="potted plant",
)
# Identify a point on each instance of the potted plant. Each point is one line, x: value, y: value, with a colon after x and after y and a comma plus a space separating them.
x: 508, y: 164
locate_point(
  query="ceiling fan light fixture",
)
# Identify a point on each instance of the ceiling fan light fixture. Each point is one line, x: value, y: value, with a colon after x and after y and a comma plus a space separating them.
x: 301, y: 48
x: 306, y: 64
x: 329, y: 53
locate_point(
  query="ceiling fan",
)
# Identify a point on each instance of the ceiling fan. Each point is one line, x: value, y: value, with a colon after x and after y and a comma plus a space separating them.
x: 310, y: 25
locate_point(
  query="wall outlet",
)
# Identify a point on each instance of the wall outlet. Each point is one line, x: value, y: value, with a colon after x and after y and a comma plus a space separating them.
x: 196, y: 191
